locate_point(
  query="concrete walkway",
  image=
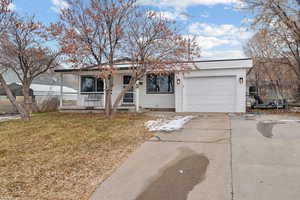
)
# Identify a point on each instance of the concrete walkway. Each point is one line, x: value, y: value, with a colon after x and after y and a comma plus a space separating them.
x: 191, y: 164
x: 266, y: 158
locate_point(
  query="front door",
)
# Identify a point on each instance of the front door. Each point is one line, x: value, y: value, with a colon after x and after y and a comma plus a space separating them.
x: 128, y: 96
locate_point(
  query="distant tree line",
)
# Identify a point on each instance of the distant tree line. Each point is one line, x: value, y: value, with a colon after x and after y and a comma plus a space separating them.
x: 277, y: 38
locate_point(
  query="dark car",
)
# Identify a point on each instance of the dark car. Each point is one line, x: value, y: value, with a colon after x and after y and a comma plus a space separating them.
x: 269, y: 103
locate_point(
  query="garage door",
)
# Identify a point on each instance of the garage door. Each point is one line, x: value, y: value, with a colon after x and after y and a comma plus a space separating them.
x: 209, y: 94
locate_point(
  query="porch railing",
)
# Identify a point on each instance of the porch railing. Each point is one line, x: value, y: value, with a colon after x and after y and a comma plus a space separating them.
x: 129, y: 98
x: 92, y: 99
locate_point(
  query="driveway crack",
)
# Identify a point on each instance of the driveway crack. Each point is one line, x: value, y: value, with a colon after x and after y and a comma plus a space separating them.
x: 216, y: 141
x: 231, y: 162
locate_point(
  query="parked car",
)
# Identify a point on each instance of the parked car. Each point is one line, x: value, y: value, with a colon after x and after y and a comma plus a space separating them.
x: 269, y: 103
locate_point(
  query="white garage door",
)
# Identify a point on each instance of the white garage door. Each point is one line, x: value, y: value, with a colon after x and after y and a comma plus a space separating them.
x: 209, y: 94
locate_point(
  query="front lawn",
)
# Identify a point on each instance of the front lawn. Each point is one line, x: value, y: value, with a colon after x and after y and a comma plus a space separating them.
x: 64, y: 156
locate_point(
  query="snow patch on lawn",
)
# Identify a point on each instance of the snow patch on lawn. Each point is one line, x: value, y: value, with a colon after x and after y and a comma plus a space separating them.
x: 7, y: 118
x: 168, y: 124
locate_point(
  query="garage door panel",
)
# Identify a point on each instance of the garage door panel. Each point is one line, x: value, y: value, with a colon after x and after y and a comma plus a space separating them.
x: 209, y: 94
x: 209, y: 100
x: 199, y: 108
x: 217, y: 93
x: 211, y: 97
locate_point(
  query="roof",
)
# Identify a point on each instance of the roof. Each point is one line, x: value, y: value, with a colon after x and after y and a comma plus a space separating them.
x: 16, y: 90
x: 51, y: 88
x: 201, y: 64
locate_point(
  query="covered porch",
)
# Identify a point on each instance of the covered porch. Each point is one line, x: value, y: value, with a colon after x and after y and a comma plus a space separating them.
x: 90, y: 91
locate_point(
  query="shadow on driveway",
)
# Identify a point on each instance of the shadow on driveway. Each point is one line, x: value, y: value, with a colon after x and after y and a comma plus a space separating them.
x: 178, y: 178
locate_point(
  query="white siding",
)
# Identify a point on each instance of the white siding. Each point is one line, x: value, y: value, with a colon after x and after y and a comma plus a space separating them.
x: 236, y: 74
x: 225, y: 64
x: 155, y: 100
x: 212, y: 71
x: 145, y: 100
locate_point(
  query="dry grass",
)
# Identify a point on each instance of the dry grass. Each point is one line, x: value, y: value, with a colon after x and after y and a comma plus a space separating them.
x: 6, y: 106
x: 64, y: 156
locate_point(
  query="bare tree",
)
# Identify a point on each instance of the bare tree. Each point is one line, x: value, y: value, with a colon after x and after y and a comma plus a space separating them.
x: 5, y: 14
x: 155, y: 46
x: 268, y: 65
x: 281, y: 19
x: 91, y: 34
x: 102, y: 31
x: 24, y: 51
x: 5, y: 19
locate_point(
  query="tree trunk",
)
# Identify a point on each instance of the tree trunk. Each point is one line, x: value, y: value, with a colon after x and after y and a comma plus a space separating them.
x: 297, y: 96
x: 297, y: 72
x: 27, y: 99
x: 13, y: 101
x: 108, y: 94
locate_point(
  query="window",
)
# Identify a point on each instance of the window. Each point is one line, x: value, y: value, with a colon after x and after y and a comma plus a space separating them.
x: 100, y: 85
x: 91, y: 84
x: 252, y: 90
x: 126, y: 79
x: 157, y: 84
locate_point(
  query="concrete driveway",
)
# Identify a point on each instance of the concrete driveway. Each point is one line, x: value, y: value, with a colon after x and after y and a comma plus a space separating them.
x: 191, y: 164
x: 266, y: 158
x: 215, y: 157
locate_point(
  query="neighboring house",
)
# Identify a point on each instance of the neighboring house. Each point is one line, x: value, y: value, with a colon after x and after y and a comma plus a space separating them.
x: 50, y: 79
x: 39, y: 92
x: 15, y: 88
x: 272, y: 79
x: 211, y: 86
x: 5, y: 105
x: 44, y: 92
x: 45, y: 85
x: 43, y: 88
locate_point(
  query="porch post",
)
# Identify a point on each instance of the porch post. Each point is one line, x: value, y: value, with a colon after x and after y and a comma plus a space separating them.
x: 137, y: 95
x: 61, y: 90
x: 104, y: 94
x: 79, y: 89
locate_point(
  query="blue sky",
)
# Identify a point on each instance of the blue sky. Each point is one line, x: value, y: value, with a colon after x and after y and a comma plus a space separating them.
x: 218, y: 25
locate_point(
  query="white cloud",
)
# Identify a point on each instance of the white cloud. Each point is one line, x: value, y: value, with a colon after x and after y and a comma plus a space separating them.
x: 240, y: 5
x: 168, y: 15
x: 237, y: 6
x: 185, y: 3
x: 176, y: 15
x: 58, y: 5
x: 204, y: 15
x: 12, y: 6
x: 247, y: 21
x: 222, y: 54
x: 211, y: 42
x: 211, y: 38
x: 223, y: 30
